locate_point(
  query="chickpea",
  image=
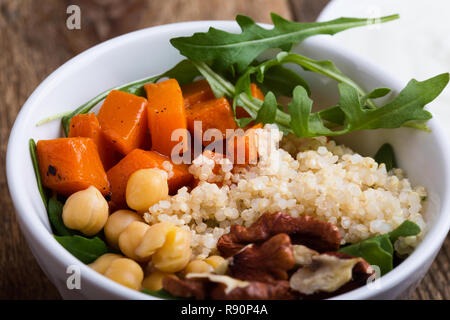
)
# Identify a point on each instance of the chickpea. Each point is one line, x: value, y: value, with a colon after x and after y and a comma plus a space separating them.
x: 154, y: 238
x: 116, y: 223
x: 198, y: 266
x: 174, y: 255
x: 215, y: 261
x: 86, y: 211
x: 104, y: 261
x: 154, y: 280
x: 126, y: 272
x: 146, y: 187
x: 167, y: 245
x: 131, y: 237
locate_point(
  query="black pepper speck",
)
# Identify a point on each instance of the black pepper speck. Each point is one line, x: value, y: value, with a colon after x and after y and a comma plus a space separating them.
x: 51, y: 170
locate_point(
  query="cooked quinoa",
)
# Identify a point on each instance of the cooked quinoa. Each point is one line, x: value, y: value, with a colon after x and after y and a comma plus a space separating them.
x: 311, y: 176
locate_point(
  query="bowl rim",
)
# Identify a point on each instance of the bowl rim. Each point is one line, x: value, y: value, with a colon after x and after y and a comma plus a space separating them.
x: 35, y: 231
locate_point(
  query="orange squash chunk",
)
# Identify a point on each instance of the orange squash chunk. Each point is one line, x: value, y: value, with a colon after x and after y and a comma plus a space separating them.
x: 141, y: 159
x: 68, y: 165
x: 123, y: 119
x: 195, y: 92
x: 213, y: 114
x: 166, y: 114
x: 256, y: 93
x: 87, y: 125
x: 243, y: 149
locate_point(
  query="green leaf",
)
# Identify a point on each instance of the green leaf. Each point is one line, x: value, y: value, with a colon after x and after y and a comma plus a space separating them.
x: 55, y: 209
x: 406, y: 229
x: 184, y: 72
x: 350, y: 114
x: 371, y: 251
x: 282, y: 81
x: 219, y: 85
x: 222, y: 87
x: 303, y: 124
x: 412, y: 98
x: 37, y: 174
x: 408, y: 105
x: 377, y: 93
x: 224, y: 49
x: 87, y: 250
x: 386, y: 155
x: 333, y: 115
x: 379, y: 250
x: 268, y: 110
x: 163, y: 294
x: 326, y: 68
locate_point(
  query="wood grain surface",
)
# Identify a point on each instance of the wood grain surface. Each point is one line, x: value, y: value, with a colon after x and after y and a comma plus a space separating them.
x: 34, y: 41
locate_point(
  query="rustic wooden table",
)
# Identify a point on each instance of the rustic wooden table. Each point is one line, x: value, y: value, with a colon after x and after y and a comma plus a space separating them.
x: 34, y: 41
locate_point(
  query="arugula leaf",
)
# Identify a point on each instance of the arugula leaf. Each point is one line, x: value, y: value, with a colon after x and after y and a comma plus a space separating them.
x: 377, y: 93
x: 386, y: 155
x: 219, y: 85
x: 350, y: 113
x: 303, y: 124
x: 55, y: 208
x: 37, y: 174
x: 408, y: 105
x: 184, y: 72
x: 379, y: 250
x: 326, y: 68
x: 268, y: 110
x: 87, y: 250
x: 282, y: 81
x: 163, y: 294
x: 224, y: 50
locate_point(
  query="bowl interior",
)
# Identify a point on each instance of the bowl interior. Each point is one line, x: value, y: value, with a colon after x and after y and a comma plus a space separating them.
x: 148, y: 52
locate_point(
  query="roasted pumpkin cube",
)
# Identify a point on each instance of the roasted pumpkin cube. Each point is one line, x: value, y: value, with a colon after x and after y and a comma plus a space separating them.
x: 123, y: 120
x: 195, y: 92
x: 213, y: 114
x: 87, y: 125
x: 68, y: 165
x: 166, y: 116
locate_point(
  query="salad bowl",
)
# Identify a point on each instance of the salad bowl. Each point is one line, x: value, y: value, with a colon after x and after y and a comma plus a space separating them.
x: 425, y: 156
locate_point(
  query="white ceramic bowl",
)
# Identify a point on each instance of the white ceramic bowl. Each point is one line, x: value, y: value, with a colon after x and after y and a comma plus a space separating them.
x: 424, y: 156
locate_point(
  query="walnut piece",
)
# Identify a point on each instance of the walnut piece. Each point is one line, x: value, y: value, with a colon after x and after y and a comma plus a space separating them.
x: 278, y: 290
x: 229, y: 282
x: 305, y: 230
x: 303, y: 255
x: 326, y: 273
x: 185, y: 288
x: 266, y: 262
x: 263, y: 256
x: 205, y: 288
